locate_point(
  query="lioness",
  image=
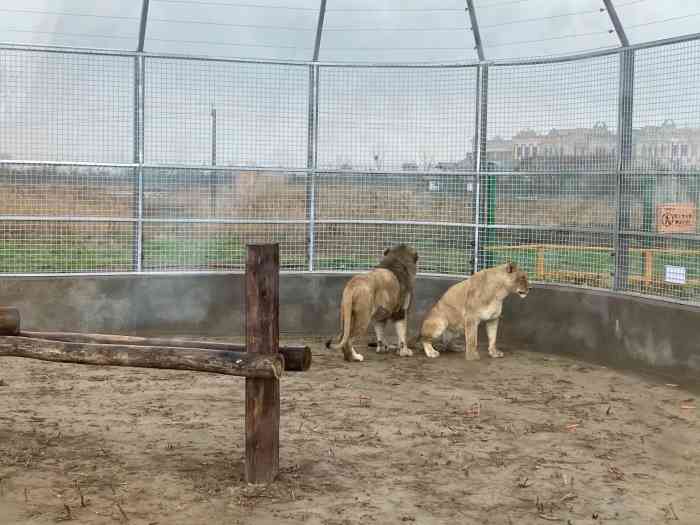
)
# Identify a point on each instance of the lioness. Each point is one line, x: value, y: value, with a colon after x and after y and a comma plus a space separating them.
x: 382, y: 295
x: 467, y: 303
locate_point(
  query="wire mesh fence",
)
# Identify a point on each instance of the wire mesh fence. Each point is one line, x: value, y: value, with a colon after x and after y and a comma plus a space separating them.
x: 201, y: 112
x: 584, y: 171
x: 558, y: 117
x: 661, y: 190
x: 223, y: 194
x: 395, y: 118
x: 66, y: 107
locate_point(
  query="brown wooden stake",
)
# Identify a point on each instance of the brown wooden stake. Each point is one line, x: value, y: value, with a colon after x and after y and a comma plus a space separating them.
x: 262, y: 403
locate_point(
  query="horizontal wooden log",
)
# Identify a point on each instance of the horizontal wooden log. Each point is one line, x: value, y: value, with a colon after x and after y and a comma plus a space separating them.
x: 227, y: 362
x: 297, y: 358
x: 9, y: 320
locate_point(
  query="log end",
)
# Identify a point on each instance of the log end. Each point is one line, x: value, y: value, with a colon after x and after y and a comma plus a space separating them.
x: 9, y: 320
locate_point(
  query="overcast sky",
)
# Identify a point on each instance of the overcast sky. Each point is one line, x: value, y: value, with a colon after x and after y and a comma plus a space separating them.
x: 80, y: 108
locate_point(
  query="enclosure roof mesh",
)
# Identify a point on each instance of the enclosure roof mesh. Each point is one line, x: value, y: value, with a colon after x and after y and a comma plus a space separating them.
x: 353, y: 30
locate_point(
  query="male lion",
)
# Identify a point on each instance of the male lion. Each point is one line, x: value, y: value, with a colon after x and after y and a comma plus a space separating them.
x: 381, y: 295
x: 467, y: 303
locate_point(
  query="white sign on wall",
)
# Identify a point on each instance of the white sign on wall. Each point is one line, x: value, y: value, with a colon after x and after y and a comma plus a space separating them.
x: 675, y: 274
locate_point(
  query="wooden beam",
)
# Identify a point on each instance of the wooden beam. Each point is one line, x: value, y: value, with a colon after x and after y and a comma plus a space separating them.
x: 244, y: 364
x: 262, y: 414
x: 297, y: 358
x: 648, y: 266
x: 539, y: 271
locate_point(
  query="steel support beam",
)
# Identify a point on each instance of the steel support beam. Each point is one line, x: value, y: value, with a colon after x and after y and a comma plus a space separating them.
x: 311, y: 164
x: 212, y: 173
x: 612, y: 13
x: 139, y: 93
x: 624, y: 145
x: 213, y: 136
x: 480, y: 213
x: 475, y: 30
x: 136, y: 202
x: 142, y: 25
x: 319, y: 29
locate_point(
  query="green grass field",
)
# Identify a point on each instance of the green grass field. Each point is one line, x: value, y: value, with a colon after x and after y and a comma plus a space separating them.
x: 564, y: 265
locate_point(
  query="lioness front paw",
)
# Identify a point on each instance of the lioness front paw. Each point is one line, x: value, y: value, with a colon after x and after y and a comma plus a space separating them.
x: 431, y: 352
x: 472, y: 356
x: 495, y: 353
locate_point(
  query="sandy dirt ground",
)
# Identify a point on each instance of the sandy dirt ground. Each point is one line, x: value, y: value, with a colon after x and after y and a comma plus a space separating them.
x: 388, y: 441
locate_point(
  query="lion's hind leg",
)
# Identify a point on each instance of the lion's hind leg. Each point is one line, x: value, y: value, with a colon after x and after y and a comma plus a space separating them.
x: 380, y: 331
x: 361, y: 316
x: 401, y: 329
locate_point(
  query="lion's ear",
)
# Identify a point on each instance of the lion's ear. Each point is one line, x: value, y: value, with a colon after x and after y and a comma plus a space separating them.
x: 510, y: 267
x: 386, y: 251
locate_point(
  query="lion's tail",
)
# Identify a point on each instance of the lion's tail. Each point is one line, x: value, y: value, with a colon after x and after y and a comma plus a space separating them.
x: 345, y: 320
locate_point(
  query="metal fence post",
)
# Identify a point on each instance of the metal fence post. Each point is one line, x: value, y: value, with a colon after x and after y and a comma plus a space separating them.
x: 482, y: 88
x: 624, y: 167
x: 138, y: 182
x: 212, y: 173
x: 137, y: 256
x: 311, y: 165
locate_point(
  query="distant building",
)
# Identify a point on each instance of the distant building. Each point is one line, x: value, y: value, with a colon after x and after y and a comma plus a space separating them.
x: 653, y: 147
x: 667, y: 147
x: 597, y: 141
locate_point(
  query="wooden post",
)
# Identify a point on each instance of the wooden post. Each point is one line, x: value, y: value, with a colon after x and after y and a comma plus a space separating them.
x: 648, y: 266
x: 539, y: 266
x: 262, y: 396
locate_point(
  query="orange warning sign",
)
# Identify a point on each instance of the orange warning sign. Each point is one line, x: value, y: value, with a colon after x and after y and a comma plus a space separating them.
x: 676, y: 218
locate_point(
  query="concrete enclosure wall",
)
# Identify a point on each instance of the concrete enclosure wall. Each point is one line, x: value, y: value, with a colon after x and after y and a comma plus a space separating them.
x: 622, y: 330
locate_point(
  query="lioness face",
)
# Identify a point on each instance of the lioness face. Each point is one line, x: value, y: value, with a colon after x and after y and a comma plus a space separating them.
x: 521, y: 285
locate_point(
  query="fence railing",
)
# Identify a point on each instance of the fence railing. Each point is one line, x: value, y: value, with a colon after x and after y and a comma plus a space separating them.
x: 132, y: 162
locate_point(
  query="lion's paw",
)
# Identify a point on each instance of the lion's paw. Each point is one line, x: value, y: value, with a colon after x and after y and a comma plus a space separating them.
x: 495, y: 353
x: 472, y: 356
x: 431, y: 352
x: 405, y: 352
